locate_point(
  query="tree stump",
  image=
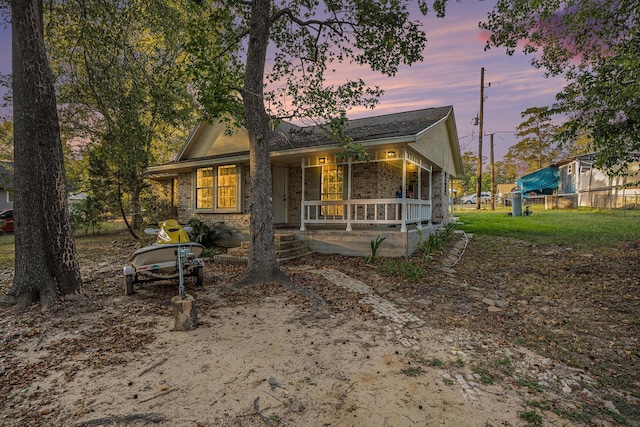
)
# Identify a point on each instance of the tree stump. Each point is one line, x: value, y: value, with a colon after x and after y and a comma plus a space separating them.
x: 184, y: 313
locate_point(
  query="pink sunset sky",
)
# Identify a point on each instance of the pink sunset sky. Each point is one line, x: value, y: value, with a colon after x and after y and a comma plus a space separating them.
x: 449, y: 75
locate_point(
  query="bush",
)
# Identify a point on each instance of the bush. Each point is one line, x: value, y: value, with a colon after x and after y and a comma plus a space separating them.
x: 156, y: 210
x: 86, y: 214
x: 208, y: 236
x: 435, y: 242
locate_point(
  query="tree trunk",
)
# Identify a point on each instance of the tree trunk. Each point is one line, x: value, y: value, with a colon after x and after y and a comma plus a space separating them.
x: 262, y: 257
x: 46, y: 266
x: 136, y: 217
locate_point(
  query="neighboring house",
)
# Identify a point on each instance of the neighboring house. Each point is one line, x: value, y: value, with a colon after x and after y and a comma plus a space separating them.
x: 503, y: 193
x: 6, y: 185
x: 574, y: 182
x: 590, y: 186
x: 76, y: 198
x: 334, y: 205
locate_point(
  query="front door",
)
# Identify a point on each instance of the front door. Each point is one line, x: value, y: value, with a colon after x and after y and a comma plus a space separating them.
x: 280, y: 182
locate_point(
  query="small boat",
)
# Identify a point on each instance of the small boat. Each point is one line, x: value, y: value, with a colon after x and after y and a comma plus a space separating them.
x: 162, y: 260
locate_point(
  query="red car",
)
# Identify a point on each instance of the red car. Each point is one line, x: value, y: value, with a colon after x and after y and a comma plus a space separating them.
x: 6, y: 221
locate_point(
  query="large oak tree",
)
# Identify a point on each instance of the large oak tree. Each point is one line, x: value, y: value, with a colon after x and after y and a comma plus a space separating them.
x: 307, y: 41
x: 46, y: 266
x: 122, y: 86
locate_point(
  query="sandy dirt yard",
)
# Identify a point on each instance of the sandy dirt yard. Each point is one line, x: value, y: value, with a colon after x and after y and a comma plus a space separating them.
x: 262, y: 356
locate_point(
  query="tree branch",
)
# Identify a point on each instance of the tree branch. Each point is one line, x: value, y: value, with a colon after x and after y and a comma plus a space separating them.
x: 329, y: 23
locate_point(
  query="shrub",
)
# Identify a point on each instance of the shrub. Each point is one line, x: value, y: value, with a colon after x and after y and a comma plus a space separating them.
x: 435, y: 242
x: 85, y: 215
x: 208, y: 236
x: 426, y: 247
x: 156, y: 210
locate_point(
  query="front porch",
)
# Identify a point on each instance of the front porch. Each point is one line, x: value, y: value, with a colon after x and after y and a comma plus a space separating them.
x: 397, y: 212
x: 326, y: 239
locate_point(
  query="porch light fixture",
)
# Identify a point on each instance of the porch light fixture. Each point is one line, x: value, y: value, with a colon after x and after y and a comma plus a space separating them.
x: 321, y: 160
x: 391, y: 153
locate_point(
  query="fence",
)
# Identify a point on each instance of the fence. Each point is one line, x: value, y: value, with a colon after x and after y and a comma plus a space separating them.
x: 602, y: 200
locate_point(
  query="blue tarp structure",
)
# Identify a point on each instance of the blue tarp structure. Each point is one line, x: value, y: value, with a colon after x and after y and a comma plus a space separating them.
x: 542, y: 181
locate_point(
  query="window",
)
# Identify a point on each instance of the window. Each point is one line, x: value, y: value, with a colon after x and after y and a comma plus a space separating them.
x: 204, y: 188
x: 227, y: 187
x: 332, y: 188
x: 224, y: 182
x: 9, y: 196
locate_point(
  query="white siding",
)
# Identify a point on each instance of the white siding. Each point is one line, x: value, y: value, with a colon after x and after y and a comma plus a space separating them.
x: 435, y: 145
x: 211, y: 140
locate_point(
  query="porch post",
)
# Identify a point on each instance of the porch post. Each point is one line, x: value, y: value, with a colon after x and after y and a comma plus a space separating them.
x: 302, y: 167
x: 420, y: 181
x: 403, y: 209
x: 349, y: 189
x: 421, y: 207
x: 430, y: 194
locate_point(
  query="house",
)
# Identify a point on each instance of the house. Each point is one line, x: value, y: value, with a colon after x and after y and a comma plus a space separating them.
x: 575, y: 181
x: 6, y: 185
x: 334, y: 205
x: 503, y: 193
x: 586, y: 185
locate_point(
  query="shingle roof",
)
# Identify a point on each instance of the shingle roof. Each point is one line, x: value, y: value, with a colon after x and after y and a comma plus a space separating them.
x: 407, y: 123
x: 288, y: 136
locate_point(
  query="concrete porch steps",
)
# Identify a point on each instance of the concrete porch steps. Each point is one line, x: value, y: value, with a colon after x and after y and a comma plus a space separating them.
x: 286, y: 245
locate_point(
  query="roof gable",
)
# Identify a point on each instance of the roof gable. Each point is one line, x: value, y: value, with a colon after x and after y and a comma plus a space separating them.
x: 213, y: 139
x: 439, y: 144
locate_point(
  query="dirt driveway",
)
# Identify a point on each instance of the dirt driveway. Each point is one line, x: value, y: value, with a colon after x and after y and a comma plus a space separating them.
x: 451, y: 349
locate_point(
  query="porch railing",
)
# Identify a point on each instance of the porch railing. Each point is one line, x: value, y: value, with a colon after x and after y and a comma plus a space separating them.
x: 366, y: 211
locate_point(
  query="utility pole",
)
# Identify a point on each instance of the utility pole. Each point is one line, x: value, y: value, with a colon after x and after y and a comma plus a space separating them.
x: 493, y: 177
x: 480, y: 119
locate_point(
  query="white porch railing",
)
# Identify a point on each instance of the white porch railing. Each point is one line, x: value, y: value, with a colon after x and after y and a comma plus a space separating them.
x: 366, y: 211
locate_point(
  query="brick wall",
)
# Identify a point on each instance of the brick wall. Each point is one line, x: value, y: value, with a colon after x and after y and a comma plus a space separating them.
x: 186, y: 203
x: 440, y: 203
x: 375, y: 180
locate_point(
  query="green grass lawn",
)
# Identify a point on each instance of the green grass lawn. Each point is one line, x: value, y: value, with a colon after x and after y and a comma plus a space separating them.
x: 7, y: 251
x: 582, y: 228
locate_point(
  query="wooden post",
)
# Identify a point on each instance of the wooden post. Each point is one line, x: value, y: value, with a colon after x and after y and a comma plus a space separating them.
x: 184, y: 313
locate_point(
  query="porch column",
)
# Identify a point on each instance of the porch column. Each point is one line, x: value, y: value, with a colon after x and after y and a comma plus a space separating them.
x: 403, y: 208
x: 450, y: 199
x: 302, y: 167
x: 419, y: 226
x: 349, y: 195
x: 431, y: 194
